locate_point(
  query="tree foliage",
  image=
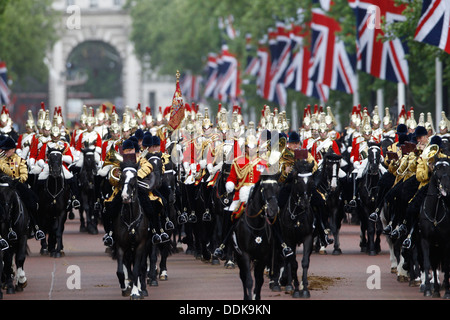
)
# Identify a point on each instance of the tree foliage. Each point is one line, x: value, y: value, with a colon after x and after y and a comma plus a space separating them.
x: 26, y: 33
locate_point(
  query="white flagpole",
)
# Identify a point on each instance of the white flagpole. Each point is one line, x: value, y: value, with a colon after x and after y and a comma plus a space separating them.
x: 401, y: 96
x: 380, y: 102
x: 439, y: 98
x: 356, y: 92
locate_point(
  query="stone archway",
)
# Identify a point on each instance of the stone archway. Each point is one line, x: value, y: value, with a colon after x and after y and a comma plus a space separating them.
x: 107, y: 26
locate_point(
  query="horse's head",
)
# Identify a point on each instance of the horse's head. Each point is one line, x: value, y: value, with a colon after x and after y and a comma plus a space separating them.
x: 303, y: 178
x: 441, y: 173
x: 128, y: 181
x: 55, y: 162
x: 89, y: 164
x: 373, y: 158
x: 269, y: 189
x: 332, y: 164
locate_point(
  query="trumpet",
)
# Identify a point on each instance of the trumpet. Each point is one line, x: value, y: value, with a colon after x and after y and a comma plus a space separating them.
x: 2, y: 154
x: 430, y: 152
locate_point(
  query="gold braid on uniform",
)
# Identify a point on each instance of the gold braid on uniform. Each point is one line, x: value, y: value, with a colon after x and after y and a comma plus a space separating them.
x: 243, y: 172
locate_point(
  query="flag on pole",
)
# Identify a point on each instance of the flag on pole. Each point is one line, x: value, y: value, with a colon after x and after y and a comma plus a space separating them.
x: 434, y: 24
x: 382, y: 59
x: 211, y: 76
x: 5, y: 92
x: 177, y: 108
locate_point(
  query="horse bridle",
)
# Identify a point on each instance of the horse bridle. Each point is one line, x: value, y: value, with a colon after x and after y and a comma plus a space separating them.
x: 266, y: 202
x: 54, y: 196
x: 291, y: 212
x: 439, y: 197
x: 132, y: 226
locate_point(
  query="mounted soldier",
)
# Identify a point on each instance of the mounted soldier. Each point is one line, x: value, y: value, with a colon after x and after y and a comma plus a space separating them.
x: 16, y: 168
x: 6, y: 125
x: 56, y: 142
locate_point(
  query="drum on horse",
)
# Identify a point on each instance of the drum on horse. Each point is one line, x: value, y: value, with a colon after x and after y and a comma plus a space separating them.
x: 53, y: 199
x: 367, y: 195
x: 86, y: 181
x: 14, y: 227
x: 253, y: 235
x: 297, y: 225
x: 331, y: 185
x: 131, y: 234
x: 434, y: 222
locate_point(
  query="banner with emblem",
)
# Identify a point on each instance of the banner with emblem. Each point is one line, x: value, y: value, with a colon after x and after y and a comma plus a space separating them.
x: 177, y: 109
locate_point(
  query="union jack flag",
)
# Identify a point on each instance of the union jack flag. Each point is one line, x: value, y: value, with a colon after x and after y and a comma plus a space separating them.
x: 190, y: 86
x: 5, y: 92
x: 324, y: 4
x: 330, y: 64
x: 228, y: 82
x: 211, y: 76
x: 382, y: 59
x: 252, y: 67
x: 434, y: 24
x: 263, y: 76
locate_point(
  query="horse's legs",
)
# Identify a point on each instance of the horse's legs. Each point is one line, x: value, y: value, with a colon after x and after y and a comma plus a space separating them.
x: 259, y: 279
x: 1, y: 273
x: 59, y: 234
x: 8, y: 272
x: 164, y: 253
x: 307, y: 249
x: 426, y: 267
x: 137, y: 267
x: 371, y: 238
x: 336, y: 222
x: 20, y: 262
x: 243, y: 262
x: 153, y: 256
x: 120, y: 273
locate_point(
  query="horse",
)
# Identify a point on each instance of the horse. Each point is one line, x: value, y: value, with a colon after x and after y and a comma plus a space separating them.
x: 434, y: 224
x: 86, y: 179
x: 53, y: 199
x: 253, y: 235
x: 131, y: 234
x: 367, y: 192
x: 297, y: 224
x: 222, y: 199
x: 330, y: 185
x: 16, y: 220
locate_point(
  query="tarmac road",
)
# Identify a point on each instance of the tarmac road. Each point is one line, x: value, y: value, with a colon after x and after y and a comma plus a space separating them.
x: 86, y: 272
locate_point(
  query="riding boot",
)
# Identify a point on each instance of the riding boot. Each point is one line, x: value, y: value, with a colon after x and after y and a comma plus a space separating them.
x: 75, y: 192
x: 228, y: 228
x: 3, y: 244
x: 285, y: 249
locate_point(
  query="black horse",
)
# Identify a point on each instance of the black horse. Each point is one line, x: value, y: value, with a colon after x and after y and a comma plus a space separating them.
x: 15, y: 221
x: 330, y: 185
x: 434, y: 224
x: 253, y: 234
x: 131, y: 234
x: 86, y: 179
x: 53, y: 199
x: 297, y: 224
x: 367, y: 192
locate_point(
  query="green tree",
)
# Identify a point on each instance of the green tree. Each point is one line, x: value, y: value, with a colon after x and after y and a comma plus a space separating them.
x: 27, y: 31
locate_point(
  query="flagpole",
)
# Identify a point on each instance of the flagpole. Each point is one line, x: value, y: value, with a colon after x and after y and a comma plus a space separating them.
x: 356, y: 92
x: 380, y: 102
x: 401, y: 96
x: 439, y: 98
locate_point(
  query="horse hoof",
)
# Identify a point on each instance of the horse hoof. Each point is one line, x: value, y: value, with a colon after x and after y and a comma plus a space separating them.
x: 83, y: 229
x: 21, y: 286
x: 393, y: 269
x: 144, y: 293
x: 44, y: 252
x: 153, y: 283
x: 305, y: 294
x: 215, y: 262
x: 229, y: 265
x: 296, y: 294
x: 126, y: 292
x: 337, y: 252
x: 372, y: 253
x: 446, y: 296
x: 436, y: 294
x: 276, y: 288
x: 289, y: 289
x: 163, y: 276
x: 10, y: 290
x: 427, y: 293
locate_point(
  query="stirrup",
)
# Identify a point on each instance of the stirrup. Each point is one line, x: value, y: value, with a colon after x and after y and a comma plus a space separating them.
x: 156, y: 238
x: 218, y: 253
x: 388, y: 229
x: 206, y: 216
x: 108, y: 240
x: 3, y: 244
x: 169, y: 225
x: 192, y: 218
x: 287, y: 251
x: 164, y: 237
x: 182, y: 218
x: 12, y: 235
x: 75, y: 204
x: 40, y: 235
x: 373, y: 217
x: 96, y: 205
x: 407, y: 243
